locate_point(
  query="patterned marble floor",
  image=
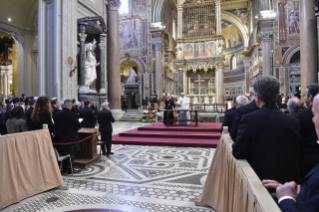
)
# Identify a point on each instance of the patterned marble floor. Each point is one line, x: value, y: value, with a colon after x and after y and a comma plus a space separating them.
x: 135, y: 178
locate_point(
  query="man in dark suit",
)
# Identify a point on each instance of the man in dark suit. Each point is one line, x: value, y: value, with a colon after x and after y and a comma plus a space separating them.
x: 235, y: 105
x: 88, y: 116
x: 9, y: 100
x: 55, y: 108
x: 229, y: 117
x: 169, y: 105
x: 67, y: 126
x: 75, y: 108
x: 309, y: 146
x: 242, y: 111
x: 29, y: 113
x: 304, y: 197
x: 105, y: 120
x: 267, y: 138
x: 94, y: 108
x: 3, y: 128
x: 294, y: 106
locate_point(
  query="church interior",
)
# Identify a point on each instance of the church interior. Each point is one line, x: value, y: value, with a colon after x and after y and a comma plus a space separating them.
x: 135, y: 55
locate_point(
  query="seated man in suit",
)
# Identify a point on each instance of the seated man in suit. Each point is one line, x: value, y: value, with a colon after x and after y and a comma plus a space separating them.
x: 67, y: 126
x: 294, y: 106
x: 267, y: 138
x: 169, y: 105
x: 305, y: 197
x: 229, y: 117
x: 88, y: 116
x: 242, y: 111
x: 309, y: 147
x: 105, y: 120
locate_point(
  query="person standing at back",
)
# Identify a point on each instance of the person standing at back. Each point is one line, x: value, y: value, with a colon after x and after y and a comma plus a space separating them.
x: 88, y: 116
x: 309, y: 146
x: 42, y: 114
x: 105, y: 120
x: 28, y: 114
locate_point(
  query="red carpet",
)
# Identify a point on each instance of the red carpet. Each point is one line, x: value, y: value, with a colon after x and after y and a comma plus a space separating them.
x: 204, y: 135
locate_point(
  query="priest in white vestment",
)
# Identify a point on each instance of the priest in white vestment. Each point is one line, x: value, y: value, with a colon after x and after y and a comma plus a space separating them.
x: 183, y: 101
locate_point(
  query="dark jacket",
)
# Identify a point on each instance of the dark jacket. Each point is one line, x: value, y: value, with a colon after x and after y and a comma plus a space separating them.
x: 9, y: 101
x: 75, y: 109
x: 94, y: 109
x: 105, y: 120
x: 270, y: 141
x: 44, y: 118
x: 169, y: 104
x: 28, y: 114
x: 88, y: 117
x: 3, y: 128
x: 231, y: 109
x: 228, y: 120
x: 55, y: 112
x: 294, y: 113
x: 308, y: 199
x: 7, y: 115
x: 67, y: 125
x: 239, y: 113
x: 309, y: 146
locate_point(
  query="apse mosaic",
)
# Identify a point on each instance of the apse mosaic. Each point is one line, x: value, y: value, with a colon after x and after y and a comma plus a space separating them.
x: 232, y: 35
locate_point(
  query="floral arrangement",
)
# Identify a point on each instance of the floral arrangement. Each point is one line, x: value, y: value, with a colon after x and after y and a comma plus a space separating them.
x: 148, y: 116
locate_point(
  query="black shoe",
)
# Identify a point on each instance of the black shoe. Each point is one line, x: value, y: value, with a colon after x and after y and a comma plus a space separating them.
x: 75, y: 171
x: 110, y: 153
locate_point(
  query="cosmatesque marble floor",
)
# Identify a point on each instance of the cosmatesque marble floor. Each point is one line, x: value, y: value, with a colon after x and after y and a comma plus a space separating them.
x: 134, y: 179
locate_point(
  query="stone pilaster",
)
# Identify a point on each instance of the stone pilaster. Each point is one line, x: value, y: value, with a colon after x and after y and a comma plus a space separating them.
x: 218, y: 17
x: 265, y: 38
x: 102, y: 59
x: 247, y: 77
x: 113, y: 54
x: 219, y: 81
x: 82, y: 37
x: 308, y: 41
x: 158, y: 68
x: 180, y: 20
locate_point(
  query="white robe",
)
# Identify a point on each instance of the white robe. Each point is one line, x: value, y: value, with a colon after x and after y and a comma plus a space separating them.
x: 184, y: 104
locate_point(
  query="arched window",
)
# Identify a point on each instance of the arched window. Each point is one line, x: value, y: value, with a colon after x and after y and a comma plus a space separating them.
x: 124, y: 7
x: 233, y: 62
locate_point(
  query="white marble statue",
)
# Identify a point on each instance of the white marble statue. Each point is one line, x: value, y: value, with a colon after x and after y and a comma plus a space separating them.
x: 220, y: 46
x: 131, y: 77
x: 179, y: 50
x: 90, y: 64
x: 195, y: 100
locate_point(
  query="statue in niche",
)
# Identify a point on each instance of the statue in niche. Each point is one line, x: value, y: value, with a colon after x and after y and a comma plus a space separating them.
x: 131, y: 77
x: 220, y: 46
x: 90, y: 64
x: 179, y: 50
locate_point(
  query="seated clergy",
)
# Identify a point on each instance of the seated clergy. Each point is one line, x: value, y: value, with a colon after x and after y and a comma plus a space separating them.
x: 294, y: 106
x: 67, y: 126
x: 267, y: 138
x: 305, y: 197
x: 229, y: 117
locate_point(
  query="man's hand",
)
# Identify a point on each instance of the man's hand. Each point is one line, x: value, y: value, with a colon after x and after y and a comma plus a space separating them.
x: 272, y: 184
x: 288, y: 189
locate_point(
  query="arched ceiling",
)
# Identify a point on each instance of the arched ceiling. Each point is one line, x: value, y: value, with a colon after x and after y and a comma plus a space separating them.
x: 22, y: 12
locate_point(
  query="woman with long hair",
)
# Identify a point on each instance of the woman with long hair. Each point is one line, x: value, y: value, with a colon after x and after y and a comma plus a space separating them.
x: 17, y: 122
x: 42, y: 114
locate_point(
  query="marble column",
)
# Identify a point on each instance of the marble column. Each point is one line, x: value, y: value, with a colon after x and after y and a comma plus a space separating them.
x: 180, y: 20
x: 247, y: 77
x: 82, y: 37
x: 219, y: 82
x: 158, y: 69
x: 265, y: 38
x: 113, y: 54
x: 308, y: 42
x: 102, y: 59
x: 218, y: 17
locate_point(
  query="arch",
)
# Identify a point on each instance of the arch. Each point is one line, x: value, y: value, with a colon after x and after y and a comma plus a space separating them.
x: 158, y: 7
x: 138, y: 61
x: 235, y: 20
x: 288, y: 55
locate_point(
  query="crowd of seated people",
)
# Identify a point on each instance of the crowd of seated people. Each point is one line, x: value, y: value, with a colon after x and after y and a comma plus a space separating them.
x: 281, y: 148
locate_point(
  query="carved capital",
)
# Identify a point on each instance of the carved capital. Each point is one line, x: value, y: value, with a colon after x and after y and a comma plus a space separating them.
x: 159, y: 46
x: 114, y: 5
x: 265, y: 36
x: 217, y: 3
x: 82, y: 37
x: 220, y: 64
